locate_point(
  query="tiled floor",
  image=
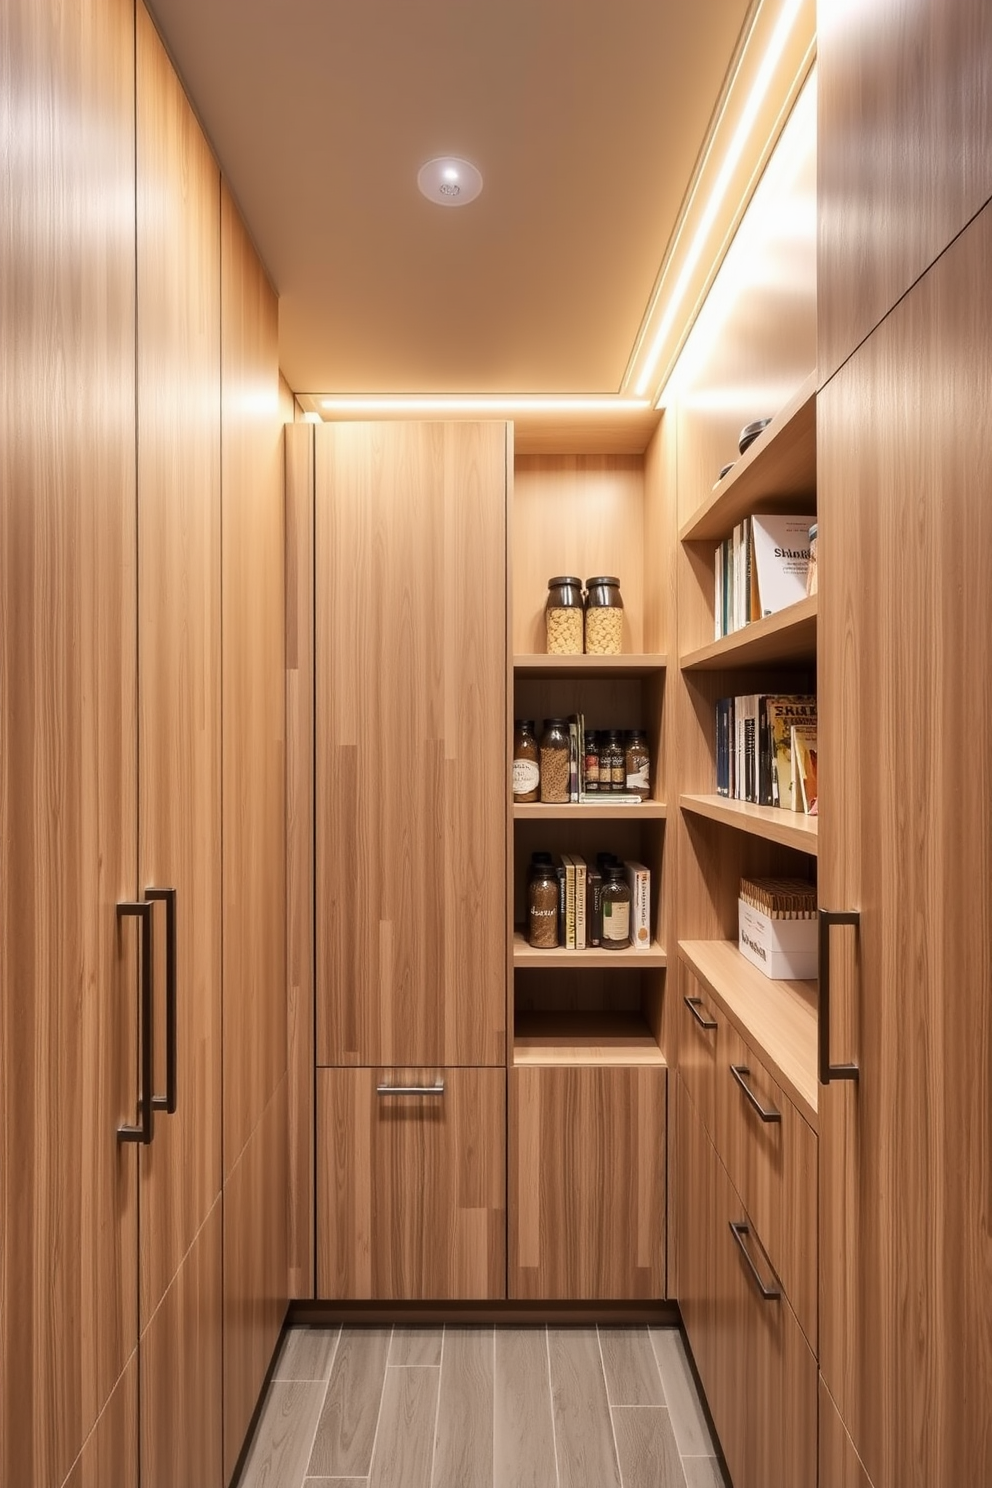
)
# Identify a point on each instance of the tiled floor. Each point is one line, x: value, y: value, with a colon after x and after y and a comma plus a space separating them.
x: 482, y: 1408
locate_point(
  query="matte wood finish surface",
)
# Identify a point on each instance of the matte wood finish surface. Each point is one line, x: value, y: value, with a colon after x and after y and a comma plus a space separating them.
x: 840, y: 1465
x: 904, y: 144
x: 790, y: 634
x: 563, y: 1038
x: 587, y: 1182
x: 179, y: 660
x: 411, y: 696
x: 68, y: 744
x: 411, y: 1195
x: 300, y: 850
x: 772, y: 823
x: 110, y: 1452
x: 254, y: 691
x: 905, y: 441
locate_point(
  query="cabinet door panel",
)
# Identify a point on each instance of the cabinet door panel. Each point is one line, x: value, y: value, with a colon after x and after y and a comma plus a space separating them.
x: 904, y: 459
x: 587, y: 1183
x: 410, y: 539
x: 411, y: 1189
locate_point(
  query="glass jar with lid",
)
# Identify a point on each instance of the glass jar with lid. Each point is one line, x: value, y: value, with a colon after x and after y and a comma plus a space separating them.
x: 526, y: 766
x: 563, y: 616
x: 638, y: 764
x: 604, y: 616
x: 612, y: 764
x: 615, y: 907
x: 542, y: 905
x: 555, y: 760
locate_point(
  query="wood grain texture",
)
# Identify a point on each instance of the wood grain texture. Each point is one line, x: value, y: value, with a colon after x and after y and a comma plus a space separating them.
x: 646, y: 1448
x: 682, y: 1398
x: 906, y: 1245
x: 307, y: 1353
x: 405, y: 1438
x: 416, y: 1346
x: 181, y: 1358
x: 839, y: 1464
x: 411, y: 763
x: 254, y: 691
x: 110, y: 1452
x: 300, y: 851
x: 68, y: 743
x: 524, y: 1450
x: 904, y: 139
x: 771, y: 823
x: 411, y: 1191
x: 790, y: 634
x: 562, y: 1038
x: 279, y: 1449
x: 179, y: 658
x: 630, y: 1367
x: 346, y: 1431
x: 254, y: 1270
x: 583, y: 1431
x: 463, y: 1455
x: 587, y: 1182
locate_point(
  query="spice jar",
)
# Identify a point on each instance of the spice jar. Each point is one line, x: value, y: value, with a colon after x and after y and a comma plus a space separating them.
x: 612, y: 764
x: 638, y: 764
x: 604, y: 617
x: 542, y: 907
x: 563, y: 616
x: 590, y: 765
x: 615, y: 907
x: 554, y: 760
x: 526, y: 766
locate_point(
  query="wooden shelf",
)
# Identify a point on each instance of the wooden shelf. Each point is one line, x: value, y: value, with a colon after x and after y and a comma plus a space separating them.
x: 787, y: 828
x: 776, y: 473
x: 617, y: 1039
x: 525, y: 955
x: 779, y: 1019
x: 788, y: 636
x: 568, y: 811
x: 541, y: 665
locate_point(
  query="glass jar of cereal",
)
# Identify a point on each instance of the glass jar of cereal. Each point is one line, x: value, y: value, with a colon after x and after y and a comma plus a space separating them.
x: 604, y: 617
x: 563, y: 616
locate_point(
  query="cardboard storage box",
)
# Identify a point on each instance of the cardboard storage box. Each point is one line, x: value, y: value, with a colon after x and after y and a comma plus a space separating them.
x: 782, y: 949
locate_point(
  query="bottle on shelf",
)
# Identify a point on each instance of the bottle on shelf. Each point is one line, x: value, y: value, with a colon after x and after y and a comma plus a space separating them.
x: 616, y: 907
x: 637, y: 764
x: 590, y: 772
x: 526, y: 765
x: 555, y: 761
x: 613, y: 765
x: 542, y: 904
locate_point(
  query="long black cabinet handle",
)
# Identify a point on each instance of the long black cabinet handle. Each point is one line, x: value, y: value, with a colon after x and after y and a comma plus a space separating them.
x: 169, y: 1101
x: 739, y: 1071
x: 437, y: 1089
x: 828, y: 1071
x: 694, y: 1004
x: 739, y: 1230
x: 143, y: 1132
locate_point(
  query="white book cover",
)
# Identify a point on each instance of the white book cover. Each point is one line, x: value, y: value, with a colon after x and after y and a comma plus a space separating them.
x: 639, y: 880
x: 580, y: 903
x: 781, y: 556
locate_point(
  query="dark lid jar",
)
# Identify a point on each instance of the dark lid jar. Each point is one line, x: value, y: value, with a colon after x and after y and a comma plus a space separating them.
x: 604, y: 616
x: 542, y: 906
x: 563, y: 616
x: 615, y: 901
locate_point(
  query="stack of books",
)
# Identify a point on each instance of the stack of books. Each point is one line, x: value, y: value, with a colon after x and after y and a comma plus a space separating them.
x: 580, y: 908
x: 766, y: 750
x: 760, y: 569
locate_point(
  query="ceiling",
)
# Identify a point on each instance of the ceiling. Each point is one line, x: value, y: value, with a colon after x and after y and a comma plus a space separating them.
x: 586, y: 119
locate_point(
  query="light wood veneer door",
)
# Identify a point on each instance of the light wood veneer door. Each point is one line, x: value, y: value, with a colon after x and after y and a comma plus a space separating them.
x: 411, y: 1189
x: 587, y: 1183
x: 905, y: 464
x: 68, y: 741
x: 410, y: 653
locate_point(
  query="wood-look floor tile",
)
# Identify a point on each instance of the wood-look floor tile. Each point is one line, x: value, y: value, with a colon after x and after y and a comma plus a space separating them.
x: 335, y: 1483
x: 416, y: 1346
x: 646, y: 1446
x: 463, y: 1454
x: 583, y: 1430
x: 681, y: 1396
x: 404, y: 1444
x: 346, y: 1433
x: 283, y: 1437
x: 632, y: 1376
x: 306, y: 1354
x: 524, y: 1448
x: 703, y: 1472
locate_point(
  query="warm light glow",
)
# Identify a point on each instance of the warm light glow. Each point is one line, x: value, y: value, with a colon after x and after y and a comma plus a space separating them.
x: 522, y: 403
x: 776, y: 47
x: 450, y: 173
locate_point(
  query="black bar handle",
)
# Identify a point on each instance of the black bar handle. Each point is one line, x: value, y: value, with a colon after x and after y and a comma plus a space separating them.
x: 143, y: 1132
x: 169, y: 1101
x: 694, y: 1004
x: 828, y: 1071
x: 739, y: 1071
x: 739, y: 1230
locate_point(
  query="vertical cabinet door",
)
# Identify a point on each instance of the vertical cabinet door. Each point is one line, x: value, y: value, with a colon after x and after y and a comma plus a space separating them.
x: 411, y: 1183
x: 587, y: 1183
x: 178, y: 406
x: 410, y: 654
x: 904, y: 464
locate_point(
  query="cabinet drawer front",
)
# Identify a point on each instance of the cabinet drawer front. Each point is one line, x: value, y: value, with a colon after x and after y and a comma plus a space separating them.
x: 770, y: 1154
x: 699, y: 1025
x: 411, y: 1183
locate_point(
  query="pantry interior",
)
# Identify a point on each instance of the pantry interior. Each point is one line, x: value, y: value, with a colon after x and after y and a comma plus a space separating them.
x: 398, y: 1104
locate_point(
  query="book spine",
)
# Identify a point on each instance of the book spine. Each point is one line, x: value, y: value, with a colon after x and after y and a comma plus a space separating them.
x: 717, y: 592
x: 561, y: 902
x: 580, y: 904
x: 639, y: 881
x: 573, y: 762
x: 569, y: 901
x: 750, y: 749
x: 594, y: 905
x: 764, y: 755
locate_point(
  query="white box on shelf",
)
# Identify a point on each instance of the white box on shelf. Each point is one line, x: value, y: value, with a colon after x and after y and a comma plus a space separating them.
x: 783, y: 949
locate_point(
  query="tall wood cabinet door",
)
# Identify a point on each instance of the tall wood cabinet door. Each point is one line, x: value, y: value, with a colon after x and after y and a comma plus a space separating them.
x: 904, y: 465
x: 410, y: 652
x: 904, y: 145
x: 411, y: 1188
x: 180, y: 737
x: 68, y: 741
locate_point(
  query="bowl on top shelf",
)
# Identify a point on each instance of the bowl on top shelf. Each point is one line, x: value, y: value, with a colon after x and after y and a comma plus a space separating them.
x: 750, y: 432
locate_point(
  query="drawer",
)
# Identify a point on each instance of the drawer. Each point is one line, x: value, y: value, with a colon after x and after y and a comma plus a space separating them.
x: 771, y: 1155
x: 699, y: 1024
x: 411, y: 1184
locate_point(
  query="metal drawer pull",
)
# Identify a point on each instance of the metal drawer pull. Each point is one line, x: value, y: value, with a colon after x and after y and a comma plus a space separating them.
x: 739, y: 1071
x: 437, y: 1089
x: 694, y: 1004
x: 143, y: 1132
x: 827, y: 1070
x: 739, y: 1230
x: 169, y: 1101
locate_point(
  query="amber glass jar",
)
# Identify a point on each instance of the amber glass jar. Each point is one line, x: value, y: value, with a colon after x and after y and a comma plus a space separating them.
x: 542, y: 907
x: 526, y: 761
x: 612, y: 764
x: 638, y: 764
x: 615, y: 907
x: 564, y: 616
x: 554, y: 760
x: 604, y: 616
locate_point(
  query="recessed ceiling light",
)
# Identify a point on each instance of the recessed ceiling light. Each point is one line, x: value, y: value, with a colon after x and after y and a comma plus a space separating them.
x: 449, y: 182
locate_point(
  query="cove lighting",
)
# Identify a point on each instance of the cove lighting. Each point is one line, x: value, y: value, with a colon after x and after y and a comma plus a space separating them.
x: 519, y: 404
x: 776, y: 47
